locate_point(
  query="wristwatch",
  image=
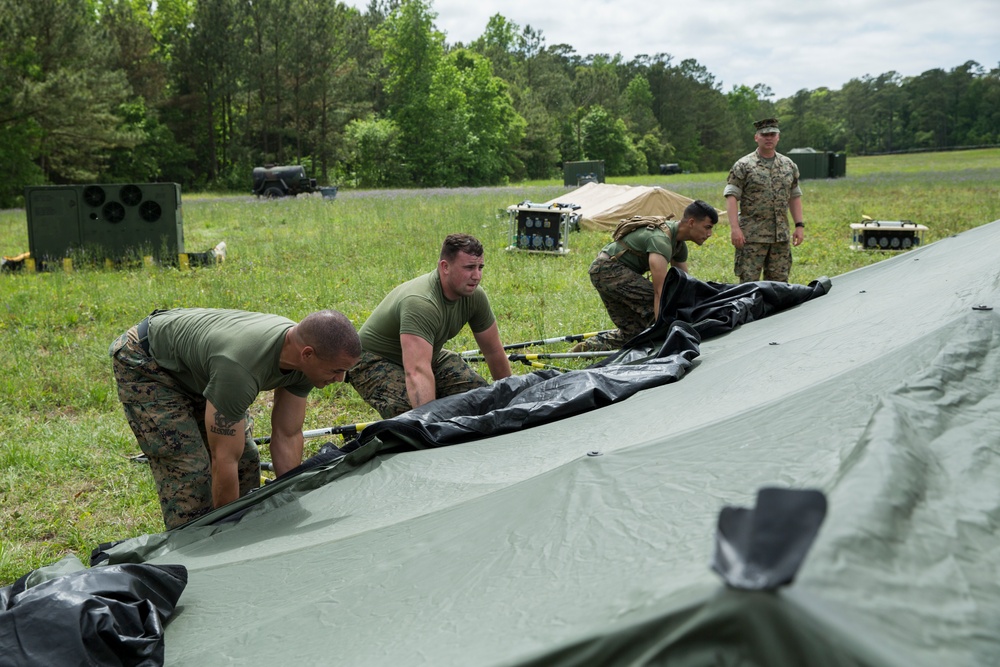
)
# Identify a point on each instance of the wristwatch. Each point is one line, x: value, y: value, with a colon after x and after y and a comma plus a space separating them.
x: 800, y: 224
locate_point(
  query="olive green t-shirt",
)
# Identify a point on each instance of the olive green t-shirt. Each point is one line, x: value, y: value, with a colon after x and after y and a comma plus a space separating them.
x: 227, y: 356
x: 419, y: 307
x: 647, y: 240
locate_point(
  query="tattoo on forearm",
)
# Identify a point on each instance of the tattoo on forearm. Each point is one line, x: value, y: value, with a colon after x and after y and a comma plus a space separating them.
x: 223, y: 425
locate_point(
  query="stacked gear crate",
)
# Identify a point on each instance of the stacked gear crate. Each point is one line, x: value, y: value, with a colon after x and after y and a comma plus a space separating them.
x: 542, y: 228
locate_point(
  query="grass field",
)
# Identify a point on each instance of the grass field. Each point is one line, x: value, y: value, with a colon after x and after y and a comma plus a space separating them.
x: 66, y: 483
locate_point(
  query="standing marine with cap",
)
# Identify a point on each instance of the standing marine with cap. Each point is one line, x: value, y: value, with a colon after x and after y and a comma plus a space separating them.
x: 187, y: 377
x: 762, y: 188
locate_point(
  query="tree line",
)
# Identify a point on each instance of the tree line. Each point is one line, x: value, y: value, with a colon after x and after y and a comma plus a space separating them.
x: 200, y: 91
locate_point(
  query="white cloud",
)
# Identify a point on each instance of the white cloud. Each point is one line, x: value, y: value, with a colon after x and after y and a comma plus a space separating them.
x: 785, y: 45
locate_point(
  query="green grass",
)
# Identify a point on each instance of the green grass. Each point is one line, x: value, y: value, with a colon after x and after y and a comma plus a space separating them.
x: 65, y: 481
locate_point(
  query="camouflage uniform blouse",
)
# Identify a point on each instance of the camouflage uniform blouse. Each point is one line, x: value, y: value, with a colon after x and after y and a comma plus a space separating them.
x: 764, y: 187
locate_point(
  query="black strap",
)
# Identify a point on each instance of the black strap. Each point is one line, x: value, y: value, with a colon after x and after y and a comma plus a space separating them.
x: 143, y: 330
x: 627, y: 248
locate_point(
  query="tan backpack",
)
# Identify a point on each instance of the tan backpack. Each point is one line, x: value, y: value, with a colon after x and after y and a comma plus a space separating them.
x: 629, y: 225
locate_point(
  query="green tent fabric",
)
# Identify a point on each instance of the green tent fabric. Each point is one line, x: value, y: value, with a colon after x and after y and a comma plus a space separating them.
x: 589, y: 540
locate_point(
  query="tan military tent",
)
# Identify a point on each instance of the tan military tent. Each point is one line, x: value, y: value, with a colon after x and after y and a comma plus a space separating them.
x: 604, y: 205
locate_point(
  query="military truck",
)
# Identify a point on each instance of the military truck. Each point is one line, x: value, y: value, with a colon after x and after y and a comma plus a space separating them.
x: 272, y: 182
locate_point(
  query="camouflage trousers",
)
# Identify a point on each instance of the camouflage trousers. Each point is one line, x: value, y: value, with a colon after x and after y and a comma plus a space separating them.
x: 382, y: 382
x: 628, y: 298
x: 774, y: 259
x: 169, y: 425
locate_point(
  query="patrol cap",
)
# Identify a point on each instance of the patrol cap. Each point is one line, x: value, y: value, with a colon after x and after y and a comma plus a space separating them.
x: 767, y: 126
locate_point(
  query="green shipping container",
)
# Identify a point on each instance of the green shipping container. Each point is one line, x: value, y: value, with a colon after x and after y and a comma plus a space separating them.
x: 811, y: 164
x: 818, y: 164
x: 579, y: 173
x: 838, y: 165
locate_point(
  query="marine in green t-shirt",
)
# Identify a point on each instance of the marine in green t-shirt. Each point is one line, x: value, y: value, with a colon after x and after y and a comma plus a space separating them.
x: 404, y: 364
x: 632, y: 301
x: 226, y: 356
x: 186, y: 378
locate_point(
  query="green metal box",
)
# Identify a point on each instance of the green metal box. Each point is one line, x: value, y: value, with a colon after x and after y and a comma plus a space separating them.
x: 580, y: 173
x: 818, y: 164
x: 104, y: 221
x: 811, y: 164
x: 838, y: 165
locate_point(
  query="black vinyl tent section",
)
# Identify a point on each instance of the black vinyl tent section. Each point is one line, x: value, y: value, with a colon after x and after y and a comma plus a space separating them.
x: 594, y: 538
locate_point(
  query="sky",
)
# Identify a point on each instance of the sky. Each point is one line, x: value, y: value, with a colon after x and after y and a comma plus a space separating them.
x: 787, y: 45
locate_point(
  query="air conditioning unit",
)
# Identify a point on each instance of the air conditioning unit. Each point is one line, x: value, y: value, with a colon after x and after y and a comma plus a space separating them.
x: 113, y: 221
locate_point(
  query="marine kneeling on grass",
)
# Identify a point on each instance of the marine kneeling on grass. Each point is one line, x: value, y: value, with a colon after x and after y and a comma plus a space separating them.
x: 404, y: 364
x: 642, y: 244
x: 186, y: 378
